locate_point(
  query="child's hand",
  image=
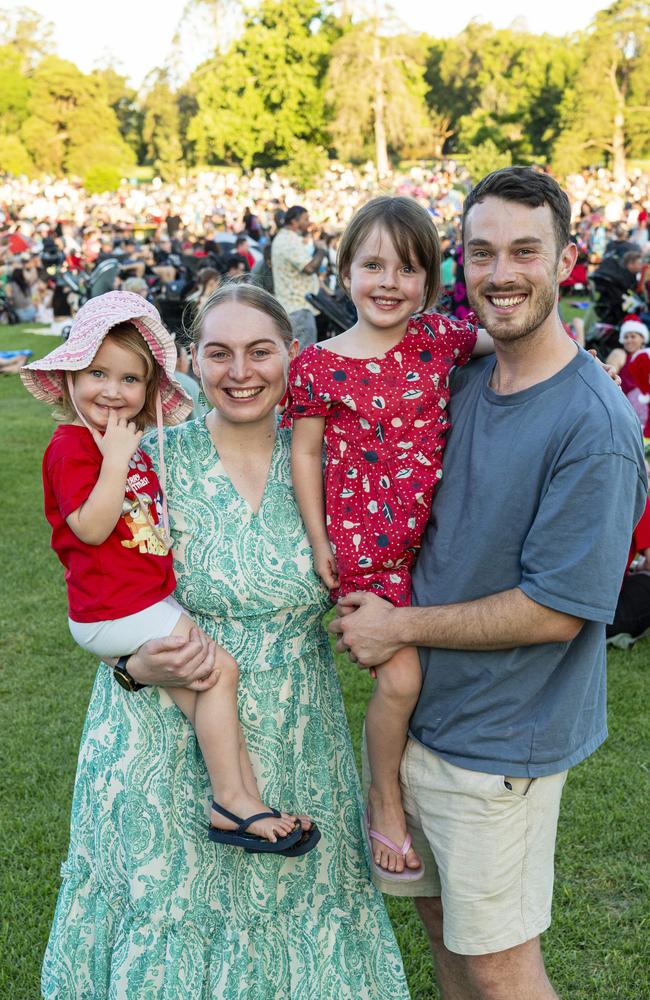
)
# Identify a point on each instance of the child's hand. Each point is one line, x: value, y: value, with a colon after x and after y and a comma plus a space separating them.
x: 325, y: 564
x: 120, y: 439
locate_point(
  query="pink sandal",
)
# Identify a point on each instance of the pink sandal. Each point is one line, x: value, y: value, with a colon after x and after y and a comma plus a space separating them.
x: 409, y: 874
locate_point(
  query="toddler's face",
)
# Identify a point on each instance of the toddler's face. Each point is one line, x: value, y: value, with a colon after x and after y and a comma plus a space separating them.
x: 115, y: 380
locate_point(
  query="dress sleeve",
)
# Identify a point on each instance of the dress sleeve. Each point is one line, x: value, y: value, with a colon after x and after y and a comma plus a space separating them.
x: 458, y: 335
x: 306, y: 396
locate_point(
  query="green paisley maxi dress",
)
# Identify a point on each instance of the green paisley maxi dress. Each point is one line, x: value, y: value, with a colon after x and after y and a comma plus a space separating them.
x: 149, y: 908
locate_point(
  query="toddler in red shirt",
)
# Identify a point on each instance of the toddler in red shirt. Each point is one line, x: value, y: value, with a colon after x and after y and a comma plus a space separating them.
x: 112, y: 378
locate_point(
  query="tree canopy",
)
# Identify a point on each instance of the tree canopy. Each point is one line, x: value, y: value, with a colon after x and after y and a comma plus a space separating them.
x: 289, y: 84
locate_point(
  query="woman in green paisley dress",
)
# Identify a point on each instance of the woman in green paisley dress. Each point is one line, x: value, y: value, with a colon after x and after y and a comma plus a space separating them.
x: 149, y: 908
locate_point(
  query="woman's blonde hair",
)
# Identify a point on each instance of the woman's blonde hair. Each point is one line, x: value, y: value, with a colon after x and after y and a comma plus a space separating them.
x: 412, y: 231
x: 249, y: 295
x: 127, y: 336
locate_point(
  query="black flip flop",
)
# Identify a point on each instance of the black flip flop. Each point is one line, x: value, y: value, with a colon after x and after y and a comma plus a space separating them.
x: 306, y: 843
x: 249, y: 841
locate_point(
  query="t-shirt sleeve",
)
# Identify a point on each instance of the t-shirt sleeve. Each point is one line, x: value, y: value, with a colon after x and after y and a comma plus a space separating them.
x: 574, y: 556
x: 72, y: 475
x: 305, y: 396
x: 459, y: 335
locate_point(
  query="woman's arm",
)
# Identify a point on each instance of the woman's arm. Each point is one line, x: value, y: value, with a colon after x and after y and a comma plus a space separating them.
x: 97, y: 516
x: 307, y: 473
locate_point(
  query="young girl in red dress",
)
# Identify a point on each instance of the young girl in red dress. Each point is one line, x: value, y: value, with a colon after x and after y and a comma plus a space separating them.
x: 113, y: 377
x: 376, y: 396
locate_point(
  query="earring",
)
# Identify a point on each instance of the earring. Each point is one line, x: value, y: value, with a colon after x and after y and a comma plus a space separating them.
x: 203, y: 400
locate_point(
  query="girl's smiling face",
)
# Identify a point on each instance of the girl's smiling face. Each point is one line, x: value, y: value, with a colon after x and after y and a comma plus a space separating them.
x: 242, y: 362
x: 115, y: 380
x: 633, y: 341
x: 385, y: 289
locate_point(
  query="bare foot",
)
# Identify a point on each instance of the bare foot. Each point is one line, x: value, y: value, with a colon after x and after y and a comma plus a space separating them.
x: 387, y: 818
x: 244, y: 805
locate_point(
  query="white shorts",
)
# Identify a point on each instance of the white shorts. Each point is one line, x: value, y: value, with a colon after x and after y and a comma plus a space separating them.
x: 487, y: 843
x: 123, y: 636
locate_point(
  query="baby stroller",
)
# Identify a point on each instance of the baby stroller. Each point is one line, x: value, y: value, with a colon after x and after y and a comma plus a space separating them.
x: 7, y: 312
x: 338, y: 310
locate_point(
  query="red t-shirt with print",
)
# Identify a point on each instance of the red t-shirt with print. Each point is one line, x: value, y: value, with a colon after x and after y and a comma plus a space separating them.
x: 129, y: 571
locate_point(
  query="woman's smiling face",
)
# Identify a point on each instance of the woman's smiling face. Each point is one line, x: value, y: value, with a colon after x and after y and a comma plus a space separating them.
x: 242, y: 362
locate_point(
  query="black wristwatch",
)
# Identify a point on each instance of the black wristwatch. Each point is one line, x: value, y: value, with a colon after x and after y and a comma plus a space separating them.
x: 123, y: 677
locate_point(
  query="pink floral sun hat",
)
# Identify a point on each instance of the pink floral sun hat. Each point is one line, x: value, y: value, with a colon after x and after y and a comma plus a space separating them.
x: 45, y: 378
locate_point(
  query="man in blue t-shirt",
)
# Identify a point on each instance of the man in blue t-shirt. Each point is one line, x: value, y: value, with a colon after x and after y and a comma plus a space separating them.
x: 519, y: 572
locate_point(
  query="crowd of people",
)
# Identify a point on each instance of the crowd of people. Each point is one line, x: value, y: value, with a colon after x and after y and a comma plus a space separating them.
x: 160, y: 232
x: 336, y: 342
x: 509, y: 690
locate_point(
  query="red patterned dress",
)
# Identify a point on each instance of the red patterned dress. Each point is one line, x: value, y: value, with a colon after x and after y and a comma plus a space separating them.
x: 385, y: 426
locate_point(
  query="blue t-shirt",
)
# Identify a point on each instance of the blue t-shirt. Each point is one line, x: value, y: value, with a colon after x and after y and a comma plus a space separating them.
x: 541, y: 491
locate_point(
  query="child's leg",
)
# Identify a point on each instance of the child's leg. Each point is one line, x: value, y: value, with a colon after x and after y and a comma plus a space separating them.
x: 213, y: 713
x: 398, y: 685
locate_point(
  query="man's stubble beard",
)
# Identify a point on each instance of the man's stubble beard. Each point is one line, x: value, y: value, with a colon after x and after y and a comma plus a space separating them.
x: 509, y: 332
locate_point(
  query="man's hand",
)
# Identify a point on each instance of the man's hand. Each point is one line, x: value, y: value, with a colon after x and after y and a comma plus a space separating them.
x: 176, y: 662
x: 365, y: 625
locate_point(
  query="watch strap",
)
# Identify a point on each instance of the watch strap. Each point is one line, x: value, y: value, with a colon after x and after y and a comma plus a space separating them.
x: 123, y: 677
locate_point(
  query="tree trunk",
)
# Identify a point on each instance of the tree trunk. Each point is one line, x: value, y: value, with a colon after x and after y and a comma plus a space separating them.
x: 618, y: 131
x: 379, y: 107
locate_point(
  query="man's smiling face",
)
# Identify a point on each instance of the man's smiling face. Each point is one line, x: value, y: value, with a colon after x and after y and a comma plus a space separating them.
x: 513, y: 266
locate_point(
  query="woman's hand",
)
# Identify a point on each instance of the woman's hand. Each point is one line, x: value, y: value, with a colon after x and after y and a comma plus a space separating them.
x: 325, y: 564
x: 192, y: 663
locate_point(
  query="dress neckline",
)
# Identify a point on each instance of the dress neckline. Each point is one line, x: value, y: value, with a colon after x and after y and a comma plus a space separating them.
x: 224, y: 472
x: 372, y: 357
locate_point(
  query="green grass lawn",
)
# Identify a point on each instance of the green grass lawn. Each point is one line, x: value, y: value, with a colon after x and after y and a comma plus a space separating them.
x: 599, y: 945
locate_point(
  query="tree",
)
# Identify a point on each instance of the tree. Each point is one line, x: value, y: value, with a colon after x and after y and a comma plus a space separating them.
x: 503, y: 87
x: 260, y: 103
x: 484, y: 158
x: 161, y: 127
x: 204, y: 27
x: 14, y: 87
x: 71, y: 126
x: 376, y: 89
x: 606, y: 112
x: 124, y: 102
x: 27, y: 32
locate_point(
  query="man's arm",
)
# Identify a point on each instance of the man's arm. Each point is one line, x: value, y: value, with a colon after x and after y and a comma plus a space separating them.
x: 312, y: 266
x: 373, y: 631
x: 173, y: 661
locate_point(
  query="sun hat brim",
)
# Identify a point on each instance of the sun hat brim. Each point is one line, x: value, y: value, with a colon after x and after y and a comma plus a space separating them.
x: 44, y: 378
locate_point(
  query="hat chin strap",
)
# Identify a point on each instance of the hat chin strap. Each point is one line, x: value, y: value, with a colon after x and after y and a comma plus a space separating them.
x: 162, y: 478
x: 70, y: 384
